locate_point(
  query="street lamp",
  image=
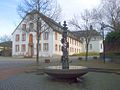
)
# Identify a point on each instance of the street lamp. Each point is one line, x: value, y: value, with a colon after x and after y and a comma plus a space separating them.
x: 103, y: 36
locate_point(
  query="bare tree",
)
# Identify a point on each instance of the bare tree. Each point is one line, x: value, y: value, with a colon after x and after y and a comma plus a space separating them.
x: 5, y: 38
x: 86, y: 26
x: 46, y: 7
x: 109, y: 13
x: 107, y: 18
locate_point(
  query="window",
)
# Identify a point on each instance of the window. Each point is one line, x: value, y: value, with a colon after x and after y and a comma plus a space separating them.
x: 46, y: 35
x: 90, y: 46
x: 45, y: 47
x: 31, y: 26
x: 30, y: 38
x: 17, y: 37
x: 31, y: 17
x: 56, y: 47
x: 17, y: 48
x: 56, y: 36
x: 23, y: 37
x: 23, y: 48
x: 23, y: 26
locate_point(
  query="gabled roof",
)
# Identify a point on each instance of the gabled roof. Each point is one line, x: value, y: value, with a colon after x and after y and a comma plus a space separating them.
x: 52, y: 24
x: 6, y: 44
x: 19, y: 24
x: 83, y: 33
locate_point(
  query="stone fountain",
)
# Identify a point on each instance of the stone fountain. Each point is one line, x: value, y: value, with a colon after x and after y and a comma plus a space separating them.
x: 65, y: 71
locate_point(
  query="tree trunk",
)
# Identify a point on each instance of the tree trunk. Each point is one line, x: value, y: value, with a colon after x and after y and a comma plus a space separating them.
x: 38, y: 39
x: 104, y: 51
x: 86, y: 55
x: 37, y: 57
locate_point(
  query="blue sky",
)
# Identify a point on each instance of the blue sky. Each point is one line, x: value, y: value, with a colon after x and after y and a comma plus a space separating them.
x: 9, y: 18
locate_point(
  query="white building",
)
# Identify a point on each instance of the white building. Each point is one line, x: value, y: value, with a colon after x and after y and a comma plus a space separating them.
x: 24, y: 40
x: 95, y: 44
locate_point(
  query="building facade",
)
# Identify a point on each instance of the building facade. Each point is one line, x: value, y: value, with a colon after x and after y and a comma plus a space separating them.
x: 24, y: 38
x: 96, y: 41
x: 95, y: 45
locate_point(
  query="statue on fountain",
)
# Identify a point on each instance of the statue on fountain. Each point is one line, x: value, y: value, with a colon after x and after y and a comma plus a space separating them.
x: 65, y: 71
x: 64, y: 57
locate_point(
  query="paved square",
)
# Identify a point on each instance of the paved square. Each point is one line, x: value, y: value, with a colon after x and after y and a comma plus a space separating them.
x: 31, y: 81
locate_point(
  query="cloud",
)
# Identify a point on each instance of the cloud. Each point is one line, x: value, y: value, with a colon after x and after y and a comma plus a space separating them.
x: 71, y: 7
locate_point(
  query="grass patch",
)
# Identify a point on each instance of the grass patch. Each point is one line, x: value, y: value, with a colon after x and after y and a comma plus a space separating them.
x: 89, y: 54
x: 98, y: 64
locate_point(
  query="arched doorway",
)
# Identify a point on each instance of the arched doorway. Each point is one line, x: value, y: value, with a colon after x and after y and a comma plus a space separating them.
x: 30, y: 46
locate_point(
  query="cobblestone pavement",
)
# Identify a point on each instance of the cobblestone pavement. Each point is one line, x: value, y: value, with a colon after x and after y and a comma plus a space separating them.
x: 31, y: 81
x: 9, y: 62
x: 13, y: 77
x: 11, y: 66
x: 6, y: 73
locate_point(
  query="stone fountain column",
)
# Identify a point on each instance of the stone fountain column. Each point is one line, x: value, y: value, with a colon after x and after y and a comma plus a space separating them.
x: 65, y: 46
x: 65, y: 71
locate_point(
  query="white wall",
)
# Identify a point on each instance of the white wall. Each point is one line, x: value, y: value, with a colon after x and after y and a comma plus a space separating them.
x: 58, y: 42
x: 20, y: 42
x: 51, y: 41
x: 96, y: 45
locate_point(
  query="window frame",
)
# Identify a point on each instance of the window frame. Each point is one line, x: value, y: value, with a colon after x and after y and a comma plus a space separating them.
x: 17, y: 38
x: 17, y: 48
x: 23, y: 37
x: 23, y: 47
x: 46, y: 35
x: 23, y: 26
x: 45, y: 47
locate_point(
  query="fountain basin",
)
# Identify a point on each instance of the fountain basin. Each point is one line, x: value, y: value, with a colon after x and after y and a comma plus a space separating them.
x: 72, y: 72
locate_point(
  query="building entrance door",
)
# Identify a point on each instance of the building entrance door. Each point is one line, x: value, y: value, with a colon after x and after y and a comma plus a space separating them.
x: 30, y: 46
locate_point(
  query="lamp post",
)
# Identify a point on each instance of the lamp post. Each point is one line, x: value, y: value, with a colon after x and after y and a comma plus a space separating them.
x: 103, y: 36
x: 65, y: 46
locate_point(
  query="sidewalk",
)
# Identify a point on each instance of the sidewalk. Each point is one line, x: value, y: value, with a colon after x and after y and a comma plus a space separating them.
x: 93, y: 65
x: 7, y: 73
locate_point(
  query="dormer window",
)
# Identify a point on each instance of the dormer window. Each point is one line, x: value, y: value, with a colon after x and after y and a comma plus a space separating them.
x: 31, y: 26
x: 23, y: 26
x: 31, y: 17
